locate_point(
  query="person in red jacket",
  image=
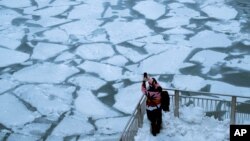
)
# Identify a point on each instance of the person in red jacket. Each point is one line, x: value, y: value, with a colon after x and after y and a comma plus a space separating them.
x: 153, y: 103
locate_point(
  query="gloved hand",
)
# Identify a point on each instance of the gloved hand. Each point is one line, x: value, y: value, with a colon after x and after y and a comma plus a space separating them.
x: 145, y: 76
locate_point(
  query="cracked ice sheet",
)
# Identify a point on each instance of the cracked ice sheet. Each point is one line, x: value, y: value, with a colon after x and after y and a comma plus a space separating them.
x: 208, y: 59
x: 178, y: 31
x: 6, y: 85
x: 130, y: 53
x: 73, y: 125
x: 50, y: 100
x: 16, y: 3
x: 120, y: 31
x: 46, y: 12
x: 209, y: 39
x: 127, y: 98
x: 87, y: 82
x: 180, y: 10
x: 186, y: 1
x: 86, y: 99
x: 220, y: 11
x: 105, y: 71
x: 117, y: 60
x: 10, y: 57
x: 48, y: 21
x: 13, y: 112
x: 182, y: 82
x: 6, y: 16
x: 34, y: 130
x: 111, y: 125
x: 150, y: 9
x: 11, y: 37
x: 172, y: 22
x: 94, y: 11
x: 45, y: 73
x: 241, y: 63
x: 232, y: 26
x: 95, y: 51
x: 43, y: 51
x: 171, y: 63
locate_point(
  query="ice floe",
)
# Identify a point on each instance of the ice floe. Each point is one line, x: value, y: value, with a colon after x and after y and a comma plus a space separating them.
x: 220, y: 11
x: 6, y: 16
x: 155, y: 48
x: 180, y: 10
x: 49, y: 100
x: 187, y: 1
x: 88, y: 11
x: 47, y: 11
x: 10, y: 57
x: 86, y: 102
x: 178, y: 31
x: 150, y: 9
x: 45, y: 73
x: 173, y: 22
x: 130, y: 53
x: 127, y: 98
x: 120, y: 31
x: 119, y: 13
x: 48, y: 21
x: 42, y: 3
x: 13, y: 112
x: 95, y: 51
x: 188, y: 82
x: 225, y: 88
x: 43, y: 51
x: 209, y: 39
x: 231, y: 26
x: 73, y: 126
x: 11, y: 37
x: 117, y: 60
x: 171, y: 63
x: 34, y: 130
x: 6, y: 85
x: 208, y: 59
x: 15, y: 3
x: 157, y: 39
x: 105, y: 71
x: 64, y: 57
x: 87, y: 82
x: 111, y: 125
x: 241, y: 63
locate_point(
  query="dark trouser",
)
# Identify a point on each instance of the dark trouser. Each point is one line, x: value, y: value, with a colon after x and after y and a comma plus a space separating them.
x: 155, y: 117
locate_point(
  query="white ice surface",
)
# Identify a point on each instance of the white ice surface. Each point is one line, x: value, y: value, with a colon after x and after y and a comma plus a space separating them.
x: 172, y: 22
x: 111, y: 125
x: 131, y: 54
x: 6, y: 85
x: 34, y: 129
x: 220, y: 11
x: 45, y: 73
x: 15, y: 3
x: 209, y: 59
x: 178, y: 30
x: 180, y: 10
x: 104, y: 71
x: 188, y: 82
x: 47, y: 11
x: 113, y: 12
x: 187, y: 1
x: 88, y: 11
x: 42, y: 3
x: 150, y: 9
x: 50, y: 100
x: 65, y: 56
x: 189, y: 127
x: 154, y: 39
x: 171, y: 63
x: 11, y: 37
x: 43, y: 51
x: 127, y: 98
x: 73, y: 126
x: 120, y: 31
x: 225, y: 88
x: 10, y: 57
x: 117, y: 60
x: 86, y: 102
x: 241, y: 63
x: 231, y: 26
x: 13, y: 112
x: 95, y: 51
x: 6, y: 16
x: 209, y: 39
x: 155, y: 48
x: 53, y: 35
x: 48, y: 21
x: 87, y: 82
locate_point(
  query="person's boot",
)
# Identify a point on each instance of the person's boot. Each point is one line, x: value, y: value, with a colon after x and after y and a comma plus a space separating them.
x: 153, y: 129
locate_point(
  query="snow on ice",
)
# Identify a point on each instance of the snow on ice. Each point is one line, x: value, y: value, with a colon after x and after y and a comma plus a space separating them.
x: 45, y: 73
x: 10, y: 57
x: 182, y: 82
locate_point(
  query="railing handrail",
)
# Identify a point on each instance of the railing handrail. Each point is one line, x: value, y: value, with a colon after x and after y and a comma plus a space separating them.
x: 209, y: 93
x: 176, y: 91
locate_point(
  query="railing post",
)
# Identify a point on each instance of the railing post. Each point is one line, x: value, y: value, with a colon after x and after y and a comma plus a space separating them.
x: 176, y: 103
x: 233, y: 110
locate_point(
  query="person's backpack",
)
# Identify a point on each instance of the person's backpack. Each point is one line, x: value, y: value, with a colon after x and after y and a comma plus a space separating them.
x: 165, y: 101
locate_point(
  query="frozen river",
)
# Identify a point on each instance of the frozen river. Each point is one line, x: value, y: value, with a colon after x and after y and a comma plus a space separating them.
x: 71, y: 69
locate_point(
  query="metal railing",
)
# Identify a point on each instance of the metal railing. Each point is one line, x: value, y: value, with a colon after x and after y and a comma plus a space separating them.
x: 220, y: 106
